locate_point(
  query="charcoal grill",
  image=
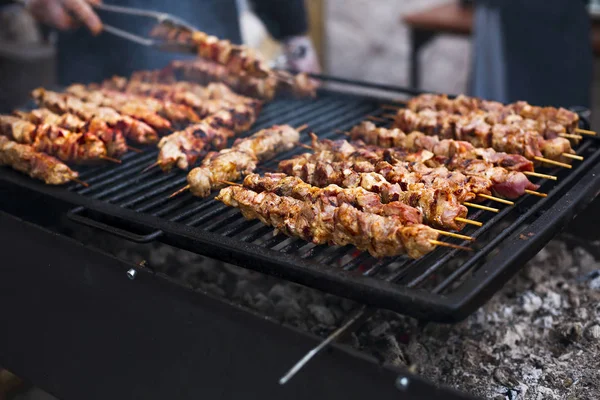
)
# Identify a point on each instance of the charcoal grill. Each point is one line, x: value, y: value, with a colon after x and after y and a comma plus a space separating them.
x: 446, y: 285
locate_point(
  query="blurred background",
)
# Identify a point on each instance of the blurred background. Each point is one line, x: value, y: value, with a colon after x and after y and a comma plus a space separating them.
x: 358, y: 39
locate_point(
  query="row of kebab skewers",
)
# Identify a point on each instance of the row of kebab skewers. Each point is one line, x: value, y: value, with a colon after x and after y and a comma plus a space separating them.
x: 385, y: 191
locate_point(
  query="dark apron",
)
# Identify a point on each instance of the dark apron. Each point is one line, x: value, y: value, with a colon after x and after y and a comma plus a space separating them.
x: 85, y: 58
x: 545, y: 52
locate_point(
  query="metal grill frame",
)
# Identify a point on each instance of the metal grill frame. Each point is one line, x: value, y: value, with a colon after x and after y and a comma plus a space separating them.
x: 535, y: 222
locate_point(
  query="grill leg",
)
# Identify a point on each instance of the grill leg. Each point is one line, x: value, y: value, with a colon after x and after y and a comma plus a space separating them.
x: 418, y: 39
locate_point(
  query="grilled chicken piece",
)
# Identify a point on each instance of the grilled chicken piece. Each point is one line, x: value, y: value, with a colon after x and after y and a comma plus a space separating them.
x: 26, y: 159
x: 66, y: 145
x: 325, y: 221
x: 113, y: 140
x: 61, y: 103
x: 241, y: 159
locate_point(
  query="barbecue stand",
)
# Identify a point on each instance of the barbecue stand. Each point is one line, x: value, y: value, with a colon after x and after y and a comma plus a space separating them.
x: 446, y: 285
x: 75, y: 325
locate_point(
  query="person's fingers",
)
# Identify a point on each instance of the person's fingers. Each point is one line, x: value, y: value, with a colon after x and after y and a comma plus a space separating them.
x: 51, y: 13
x: 84, y: 12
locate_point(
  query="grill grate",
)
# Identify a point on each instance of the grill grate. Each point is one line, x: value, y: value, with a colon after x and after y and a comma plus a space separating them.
x: 445, y: 285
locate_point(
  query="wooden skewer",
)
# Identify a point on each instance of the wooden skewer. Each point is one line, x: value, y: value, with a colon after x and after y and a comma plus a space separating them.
x: 573, y: 156
x: 231, y: 183
x: 82, y: 183
x: 400, y: 101
x: 183, y: 189
x: 481, y: 207
x: 134, y: 149
x: 389, y: 116
x: 499, y: 200
x: 454, y: 235
x: 376, y: 119
x: 454, y: 246
x: 149, y: 167
x: 585, y: 131
x: 305, y: 146
x: 111, y: 159
x: 547, y: 161
x: 468, y: 221
x: 302, y: 127
x: 569, y: 136
x: 533, y: 192
x: 538, y: 175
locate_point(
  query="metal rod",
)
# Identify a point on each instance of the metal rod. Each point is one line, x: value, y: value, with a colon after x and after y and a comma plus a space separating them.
x: 316, y: 350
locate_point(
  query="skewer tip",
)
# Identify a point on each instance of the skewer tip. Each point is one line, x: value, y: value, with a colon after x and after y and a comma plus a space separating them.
x: 453, y: 246
x: 455, y: 235
x: 302, y: 127
x: 552, y: 162
x: 376, y: 119
x: 111, y: 159
x: 538, y: 175
x: 497, y: 199
x: 82, y: 183
x: 534, y: 193
x: 479, y: 206
x: 231, y: 183
x: 134, y: 149
x: 585, y: 132
x: 149, y: 167
x: 183, y: 189
x: 468, y: 221
x: 573, y: 156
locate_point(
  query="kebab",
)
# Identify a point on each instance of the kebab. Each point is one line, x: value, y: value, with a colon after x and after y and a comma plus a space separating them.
x: 550, y: 121
x: 55, y: 141
x: 439, y: 204
x: 240, y: 160
x: 26, y: 159
x: 474, y: 129
x: 204, y: 103
x: 113, y: 140
x: 447, y: 148
x: 324, y: 222
x: 479, y: 176
x: 364, y: 200
x: 184, y: 147
x: 204, y: 72
x: 131, y: 128
x: 369, y: 133
x: 159, y: 114
x: 238, y: 59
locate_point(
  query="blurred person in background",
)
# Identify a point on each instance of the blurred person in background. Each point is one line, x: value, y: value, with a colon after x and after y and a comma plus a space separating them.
x: 534, y: 50
x: 86, y: 55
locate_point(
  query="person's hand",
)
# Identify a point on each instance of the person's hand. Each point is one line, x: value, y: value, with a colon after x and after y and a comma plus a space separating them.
x: 300, y: 55
x: 66, y: 14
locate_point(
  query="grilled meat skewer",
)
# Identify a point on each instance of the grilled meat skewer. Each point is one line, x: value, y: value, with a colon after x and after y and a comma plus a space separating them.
x: 203, y: 100
x: 241, y: 159
x: 131, y: 128
x: 26, y: 159
x: 184, y: 147
x: 437, y: 202
x: 479, y: 176
x: 284, y: 185
x: 55, y: 141
x: 473, y: 128
x: 159, y: 114
x: 113, y: 140
x: 416, y: 141
x: 326, y: 222
x: 550, y: 121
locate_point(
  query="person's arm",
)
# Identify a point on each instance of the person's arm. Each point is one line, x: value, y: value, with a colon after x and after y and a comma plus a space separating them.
x: 286, y: 21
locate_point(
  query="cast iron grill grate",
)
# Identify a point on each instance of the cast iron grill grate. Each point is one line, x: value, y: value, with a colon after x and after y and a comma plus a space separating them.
x: 446, y: 285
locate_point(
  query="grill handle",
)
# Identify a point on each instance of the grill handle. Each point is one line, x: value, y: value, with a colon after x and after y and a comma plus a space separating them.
x: 75, y: 215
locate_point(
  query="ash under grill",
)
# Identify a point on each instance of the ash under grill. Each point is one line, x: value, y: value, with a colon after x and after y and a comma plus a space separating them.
x: 445, y: 285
